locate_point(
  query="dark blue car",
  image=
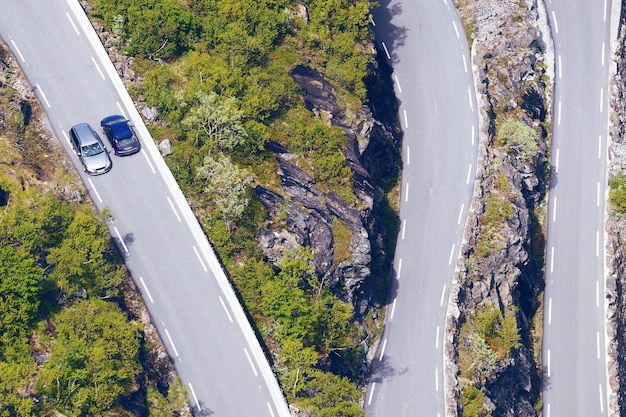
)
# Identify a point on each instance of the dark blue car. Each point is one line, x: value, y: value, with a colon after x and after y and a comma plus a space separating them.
x: 122, y: 137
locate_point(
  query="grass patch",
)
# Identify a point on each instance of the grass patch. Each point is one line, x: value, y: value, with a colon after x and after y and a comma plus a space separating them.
x: 342, y: 237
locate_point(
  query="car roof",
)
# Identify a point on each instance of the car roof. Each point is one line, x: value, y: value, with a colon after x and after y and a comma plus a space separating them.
x: 85, y: 134
x: 121, y: 129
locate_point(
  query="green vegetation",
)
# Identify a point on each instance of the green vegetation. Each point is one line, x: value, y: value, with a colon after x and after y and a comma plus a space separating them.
x: 617, y: 193
x: 518, y: 139
x: 473, y: 402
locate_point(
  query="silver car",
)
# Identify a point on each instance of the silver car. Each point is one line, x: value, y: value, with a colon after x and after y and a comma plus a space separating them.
x: 90, y: 149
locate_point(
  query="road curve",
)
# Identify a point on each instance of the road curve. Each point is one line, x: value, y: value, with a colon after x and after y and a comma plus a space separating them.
x: 425, y: 44
x: 189, y: 298
x: 574, y: 362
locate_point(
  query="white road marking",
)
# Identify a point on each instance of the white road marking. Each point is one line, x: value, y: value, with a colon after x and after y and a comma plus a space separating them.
x: 598, y: 344
x: 72, y: 22
x: 171, y: 342
x: 597, y: 243
x: 598, y: 194
x: 399, y: 269
x: 560, y: 68
x: 460, y: 213
x: 601, y: 99
x: 556, y: 24
x: 451, y: 253
x: 250, y: 360
x: 199, y: 258
x: 403, y: 227
x: 373, y: 23
x: 445, y: 2
x: 464, y: 62
x: 67, y: 140
x: 437, y: 339
x: 443, y: 294
x: 456, y: 30
x: 97, y: 67
x: 548, y: 411
x: 93, y: 187
x: 369, y: 401
x: 269, y: 407
x: 406, y: 120
x: 556, y: 166
x: 145, y: 287
x: 386, y: 51
x: 597, y: 293
x: 603, y: 47
x: 469, y: 174
x: 393, y: 309
x: 406, y: 192
x: 119, y: 106
x: 225, y: 309
x: 473, y: 135
x: 550, y: 311
x: 549, y: 364
x: 148, y: 161
x: 117, y: 232
x: 173, y: 209
x: 554, y: 210
x: 601, y: 400
x: 43, y: 95
x: 604, y: 15
x: 437, y: 379
x: 382, y: 350
x: 408, y: 155
x: 600, y: 147
x: 469, y: 96
x: 552, y: 260
x: 18, y: 51
x: 559, y: 114
x: 398, y: 83
x: 194, y: 397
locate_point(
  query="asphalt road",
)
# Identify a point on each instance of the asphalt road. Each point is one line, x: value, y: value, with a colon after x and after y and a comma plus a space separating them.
x: 426, y: 45
x: 574, y: 363
x: 187, y: 294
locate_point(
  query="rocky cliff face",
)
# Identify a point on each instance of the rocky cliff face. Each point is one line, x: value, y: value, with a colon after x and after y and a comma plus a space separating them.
x: 616, y: 234
x: 503, y: 254
x: 310, y: 214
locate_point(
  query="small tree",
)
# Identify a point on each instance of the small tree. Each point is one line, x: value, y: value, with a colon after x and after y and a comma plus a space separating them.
x: 519, y: 139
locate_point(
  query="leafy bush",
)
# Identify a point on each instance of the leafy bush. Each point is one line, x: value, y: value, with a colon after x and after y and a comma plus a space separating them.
x: 617, y: 193
x: 518, y: 139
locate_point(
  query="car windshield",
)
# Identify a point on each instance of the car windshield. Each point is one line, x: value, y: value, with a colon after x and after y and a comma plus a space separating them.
x: 92, y: 150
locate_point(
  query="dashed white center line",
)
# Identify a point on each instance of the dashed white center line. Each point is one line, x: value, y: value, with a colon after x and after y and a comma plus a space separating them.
x: 173, y: 209
x: 601, y: 400
x: 560, y: 68
x: 603, y: 47
x: 18, y: 51
x: 556, y: 163
x: 559, y: 114
x: 598, y: 344
x: 460, y: 213
x: 93, y: 187
x: 119, y: 106
x: 548, y: 411
x: 386, y: 50
x: 398, y: 83
x: 549, y: 368
x: 43, y: 95
x: 473, y: 135
x: 604, y: 15
x: 469, y: 96
x: 552, y: 259
x: 406, y: 120
x: 554, y: 210
x: 148, y: 161
x: 469, y: 174
x: 598, y: 195
x: 456, y: 30
x: 145, y: 287
x: 443, y: 294
x: 601, y: 99
x: 200, y: 259
x: 403, y: 227
x: 437, y: 339
x: 406, y: 192
x: 225, y: 309
x: 408, y: 155
x: 171, y: 342
x: 600, y: 147
x: 550, y: 311
x: 597, y: 293
x: 451, y: 253
x: 597, y: 243
x: 382, y: 350
x: 399, y: 269
x: 250, y: 360
x: 97, y: 67
x: 72, y: 22
x: 464, y: 62
x: 193, y: 393
x: 269, y: 407
x: 437, y: 379
x: 393, y: 309
x: 369, y: 400
x: 117, y: 232
x: 556, y: 24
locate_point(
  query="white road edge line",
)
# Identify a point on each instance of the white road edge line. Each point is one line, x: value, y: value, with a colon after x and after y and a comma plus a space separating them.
x: 119, y: 106
x: 559, y: 115
x: 550, y: 310
x: 437, y: 379
x: 225, y: 309
x: 250, y: 360
x: 443, y: 294
x: 406, y: 193
x: 117, y: 232
x: 464, y: 62
x: 18, y: 51
x: 549, y: 369
x: 556, y: 163
x: 556, y: 24
x: 145, y: 287
x: 97, y: 67
x: 369, y: 400
x: 451, y: 253
x: 601, y: 400
x: 560, y: 68
x: 382, y: 351
x: 554, y: 210
x: 548, y: 411
x: 598, y: 195
x: 194, y: 397
x: 460, y: 214
x: 269, y: 407
x: 469, y: 96
x: 406, y: 120
x: 67, y: 140
x: 601, y: 99
x: 93, y: 187
x: 600, y: 147
x: 173, y: 209
x: 398, y: 83
x: 403, y: 228
x: 72, y: 22
x: 603, y: 48
x: 145, y: 155
x: 399, y: 269
x: 386, y: 50
x: 43, y: 95
x: 598, y: 344
x: 167, y: 333
x: 597, y: 293
x: 200, y: 259
x: 393, y: 308
x: 469, y: 174
x: 604, y: 15
x: 456, y: 30
x: 552, y: 259
x: 408, y: 155
x: 473, y: 135
x: 437, y: 339
x: 597, y: 243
